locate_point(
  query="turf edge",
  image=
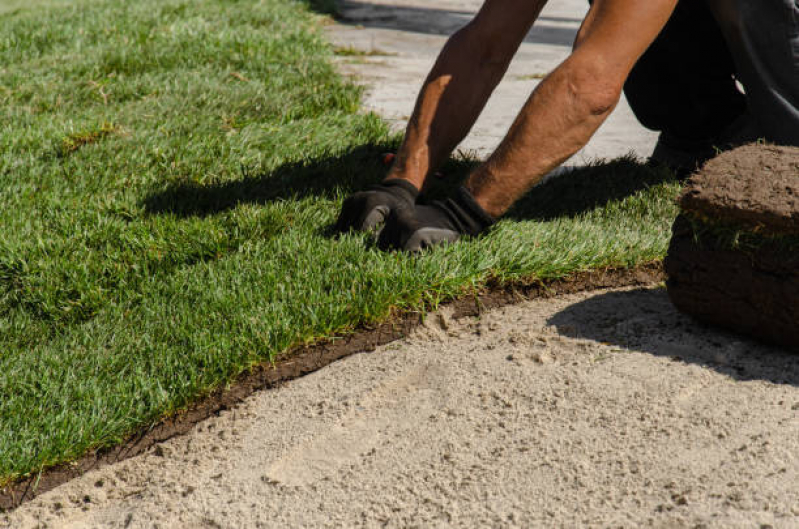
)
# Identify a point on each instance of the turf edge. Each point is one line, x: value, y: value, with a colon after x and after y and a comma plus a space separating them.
x: 307, y: 359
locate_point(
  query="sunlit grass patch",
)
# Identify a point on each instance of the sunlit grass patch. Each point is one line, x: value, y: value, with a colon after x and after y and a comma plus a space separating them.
x: 75, y: 140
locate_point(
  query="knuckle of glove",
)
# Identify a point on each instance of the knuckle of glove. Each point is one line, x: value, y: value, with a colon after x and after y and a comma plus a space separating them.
x: 366, y: 210
x: 357, y: 211
x: 399, y: 226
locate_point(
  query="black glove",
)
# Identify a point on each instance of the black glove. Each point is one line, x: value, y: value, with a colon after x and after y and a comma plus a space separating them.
x: 368, y: 209
x: 419, y: 227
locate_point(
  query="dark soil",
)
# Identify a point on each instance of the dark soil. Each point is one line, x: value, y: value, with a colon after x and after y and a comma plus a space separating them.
x: 755, y: 186
x: 305, y: 360
x: 754, y: 294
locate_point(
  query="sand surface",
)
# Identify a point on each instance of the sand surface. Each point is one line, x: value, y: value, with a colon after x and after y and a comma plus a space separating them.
x: 601, y: 409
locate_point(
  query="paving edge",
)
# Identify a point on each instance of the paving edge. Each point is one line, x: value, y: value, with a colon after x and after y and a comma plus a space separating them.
x: 304, y: 360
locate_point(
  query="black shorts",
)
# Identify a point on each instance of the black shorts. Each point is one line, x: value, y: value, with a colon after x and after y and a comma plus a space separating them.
x: 685, y: 82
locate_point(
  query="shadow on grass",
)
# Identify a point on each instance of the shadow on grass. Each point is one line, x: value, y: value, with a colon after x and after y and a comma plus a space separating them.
x: 322, y: 177
x: 570, y: 194
x: 585, y: 188
x: 324, y: 7
x: 645, y: 320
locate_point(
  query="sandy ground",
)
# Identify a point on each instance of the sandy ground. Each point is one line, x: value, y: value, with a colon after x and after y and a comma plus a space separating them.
x: 601, y: 409
x: 404, y: 37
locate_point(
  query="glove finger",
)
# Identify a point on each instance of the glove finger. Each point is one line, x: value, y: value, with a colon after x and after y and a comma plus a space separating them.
x: 386, y: 238
x: 390, y: 236
x: 429, y: 237
x: 342, y: 224
x: 345, y: 217
x: 375, y: 217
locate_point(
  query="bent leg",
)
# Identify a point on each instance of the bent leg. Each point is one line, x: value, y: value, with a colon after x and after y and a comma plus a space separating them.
x: 763, y: 37
x: 683, y: 85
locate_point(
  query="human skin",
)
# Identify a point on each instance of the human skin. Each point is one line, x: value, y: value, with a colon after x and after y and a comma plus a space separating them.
x: 561, y: 114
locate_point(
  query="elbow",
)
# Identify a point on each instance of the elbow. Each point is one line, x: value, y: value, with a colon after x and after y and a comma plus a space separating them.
x: 593, y: 90
x: 600, y: 100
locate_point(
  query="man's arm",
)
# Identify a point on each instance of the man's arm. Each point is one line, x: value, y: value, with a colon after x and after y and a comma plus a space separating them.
x: 572, y: 102
x: 465, y: 74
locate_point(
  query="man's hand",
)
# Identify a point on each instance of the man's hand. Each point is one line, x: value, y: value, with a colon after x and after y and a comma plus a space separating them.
x: 368, y: 209
x: 416, y: 228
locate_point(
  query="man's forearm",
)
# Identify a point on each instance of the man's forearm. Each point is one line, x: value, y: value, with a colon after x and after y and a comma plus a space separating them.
x: 455, y: 92
x: 558, y: 120
x: 571, y: 103
x: 451, y: 99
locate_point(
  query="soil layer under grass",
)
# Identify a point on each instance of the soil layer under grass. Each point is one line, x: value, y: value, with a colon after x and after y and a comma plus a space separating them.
x: 169, y: 172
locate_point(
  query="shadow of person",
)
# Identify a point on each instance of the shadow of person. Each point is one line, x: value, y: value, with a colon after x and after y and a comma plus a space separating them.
x: 572, y: 192
x: 325, y: 177
x: 582, y: 189
x: 552, y: 31
x: 328, y: 177
x: 323, y: 7
x: 645, y: 320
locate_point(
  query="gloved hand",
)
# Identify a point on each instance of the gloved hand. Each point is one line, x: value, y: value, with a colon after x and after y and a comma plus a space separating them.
x: 368, y: 209
x: 416, y: 228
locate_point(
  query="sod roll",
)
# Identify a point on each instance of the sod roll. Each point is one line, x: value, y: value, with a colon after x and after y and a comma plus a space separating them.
x: 733, y: 260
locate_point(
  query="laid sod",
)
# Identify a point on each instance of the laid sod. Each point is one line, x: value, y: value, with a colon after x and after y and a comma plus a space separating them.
x: 169, y: 172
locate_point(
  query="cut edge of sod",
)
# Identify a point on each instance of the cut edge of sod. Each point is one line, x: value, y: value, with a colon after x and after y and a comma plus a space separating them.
x: 740, y: 237
x: 303, y: 360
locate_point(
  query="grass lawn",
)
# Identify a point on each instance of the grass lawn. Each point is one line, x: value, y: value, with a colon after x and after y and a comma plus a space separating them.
x: 169, y: 171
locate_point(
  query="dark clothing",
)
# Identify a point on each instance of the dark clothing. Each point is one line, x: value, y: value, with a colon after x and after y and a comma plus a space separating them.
x: 684, y: 85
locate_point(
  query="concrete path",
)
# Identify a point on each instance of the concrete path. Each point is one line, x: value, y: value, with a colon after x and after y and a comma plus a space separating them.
x: 402, y: 38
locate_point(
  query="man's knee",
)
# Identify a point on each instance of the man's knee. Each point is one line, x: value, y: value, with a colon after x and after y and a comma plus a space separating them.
x: 683, y: 83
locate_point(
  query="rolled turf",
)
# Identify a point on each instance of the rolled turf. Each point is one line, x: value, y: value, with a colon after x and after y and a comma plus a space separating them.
x: 734, y: 257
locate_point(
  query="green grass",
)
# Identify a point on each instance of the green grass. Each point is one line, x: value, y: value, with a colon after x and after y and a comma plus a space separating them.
x: 12, y: 6
x: 169, y: 171
x: 742, y: 238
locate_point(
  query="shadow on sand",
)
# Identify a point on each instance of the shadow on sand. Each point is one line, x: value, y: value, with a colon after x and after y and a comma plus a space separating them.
x: 555, y: 31
x: 644, y: 320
